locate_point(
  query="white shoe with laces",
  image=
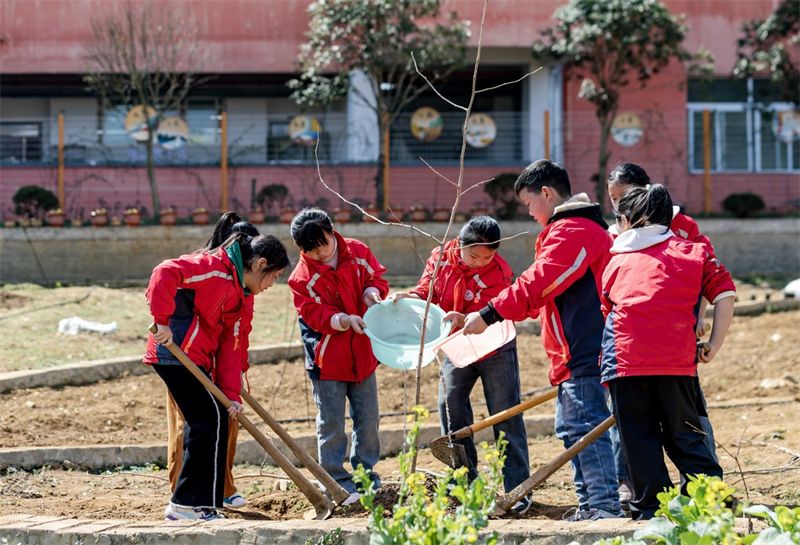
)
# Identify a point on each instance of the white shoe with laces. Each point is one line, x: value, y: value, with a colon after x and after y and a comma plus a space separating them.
x: 176, y: 512
x: 235, y: 501
x: 522, y: 506
x: 352, y: 498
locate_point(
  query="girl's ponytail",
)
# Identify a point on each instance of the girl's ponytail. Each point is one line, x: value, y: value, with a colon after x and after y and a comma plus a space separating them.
x: 229, y: 223
x: 648, y: 205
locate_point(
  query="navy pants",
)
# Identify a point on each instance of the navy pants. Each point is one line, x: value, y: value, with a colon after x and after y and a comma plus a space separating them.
x: 657, y: 414
x: 205, y: 440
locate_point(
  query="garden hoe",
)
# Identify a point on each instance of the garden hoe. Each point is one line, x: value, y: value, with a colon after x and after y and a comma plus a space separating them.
x: 506, y: 501
x: 454, y: 455
x: 323, y: 507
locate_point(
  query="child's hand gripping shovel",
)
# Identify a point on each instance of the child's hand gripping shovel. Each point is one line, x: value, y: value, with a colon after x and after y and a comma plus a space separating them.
x: 323, y: 507
x: 506, y: 501
x: 704, y: 346
x: 463, y: 350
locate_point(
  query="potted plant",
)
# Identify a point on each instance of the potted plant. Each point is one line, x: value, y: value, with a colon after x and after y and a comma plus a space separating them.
x: 417, y: 212
x: 55, y: 217
x: 371, y: 209
x: 36, y: 222
x: 132, y: 217
x: 99, y: 217
x: 504, y: 198
x: 341, y: 215
x: 441, y: 213
x: 272, y: 198
x: 169, y: 216
x: 200, y: 216
x: 115, y: 221
x: 24, y: 221
x: 287, y: 214
x: 9, y: 223
x: 256, y: 215
x: 31, y: 201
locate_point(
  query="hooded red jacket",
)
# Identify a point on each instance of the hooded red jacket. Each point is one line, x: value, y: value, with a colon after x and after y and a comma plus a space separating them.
x: 319, y: 293
x: 460, y: 288
x: 199, y: 296
x: 651, y: 296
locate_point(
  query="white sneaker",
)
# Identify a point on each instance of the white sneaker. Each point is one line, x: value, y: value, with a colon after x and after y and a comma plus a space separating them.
x: 175, y: 512
x: 352, y: 498
x: 235, y: 501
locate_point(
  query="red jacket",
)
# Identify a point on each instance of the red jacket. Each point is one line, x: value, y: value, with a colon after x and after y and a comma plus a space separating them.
x: 682, y: 225
x: 651, y: 295
x: 563, y: 285
x: 460, y: 288
x: 200, y: 298
x: 319, y: 293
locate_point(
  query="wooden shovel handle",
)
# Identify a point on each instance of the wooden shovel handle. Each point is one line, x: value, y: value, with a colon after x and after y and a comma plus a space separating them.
x: 547, y: 395
x: 315, y: 496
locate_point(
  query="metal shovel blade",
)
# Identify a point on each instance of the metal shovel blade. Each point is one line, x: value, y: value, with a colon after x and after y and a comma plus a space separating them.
x: 452, y: 454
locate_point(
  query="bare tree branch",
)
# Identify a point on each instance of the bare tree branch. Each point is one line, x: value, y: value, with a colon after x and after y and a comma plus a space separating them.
x: 509, y: 82
x: 442, y: 176
x: 450, y: 102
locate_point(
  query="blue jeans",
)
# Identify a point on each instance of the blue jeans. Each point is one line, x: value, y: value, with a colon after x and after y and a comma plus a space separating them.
x: 622, y: 471
x: 581, y: 405
x: 499, y: 374
x: 329, y: 396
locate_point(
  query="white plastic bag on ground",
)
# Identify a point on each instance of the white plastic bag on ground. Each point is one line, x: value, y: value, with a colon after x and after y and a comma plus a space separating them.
x: 793, y: 288
x: 74, y: 325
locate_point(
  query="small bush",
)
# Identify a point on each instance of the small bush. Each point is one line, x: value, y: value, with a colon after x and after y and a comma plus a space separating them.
x: 33, y: 201
x: 743, y: 205
x: 501, y: 191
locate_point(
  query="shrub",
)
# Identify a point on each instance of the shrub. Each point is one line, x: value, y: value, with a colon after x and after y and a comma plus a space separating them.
x: 33, y: 201
x: 271, y: 195
x: 743, y: 205
x: 501, y: 191
x: 418, y: 519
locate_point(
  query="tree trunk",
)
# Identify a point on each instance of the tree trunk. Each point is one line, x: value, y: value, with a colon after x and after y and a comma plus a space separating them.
x: 151, y: 175
x: 600, y: 187
x: 380, y: 197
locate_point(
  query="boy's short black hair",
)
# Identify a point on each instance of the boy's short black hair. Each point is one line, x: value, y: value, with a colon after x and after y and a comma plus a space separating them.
x: 309, y: 227
x: 544, y: 173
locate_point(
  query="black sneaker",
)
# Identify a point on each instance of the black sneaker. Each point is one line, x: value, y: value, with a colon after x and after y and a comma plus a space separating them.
x: 522, y: 506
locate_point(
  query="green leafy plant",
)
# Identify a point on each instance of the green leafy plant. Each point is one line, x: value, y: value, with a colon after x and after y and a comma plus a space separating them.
x: 743, y: 205
x: 33, y: 201
x: 705, y: 517
x: 330, y: 538
x: 501, y: 191
x: 420, y: 517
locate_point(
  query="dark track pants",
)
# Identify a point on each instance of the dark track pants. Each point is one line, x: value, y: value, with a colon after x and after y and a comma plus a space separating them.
x: 656, y: 414
x: 202, y: 477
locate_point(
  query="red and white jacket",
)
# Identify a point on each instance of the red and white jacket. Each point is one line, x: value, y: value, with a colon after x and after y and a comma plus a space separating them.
x: 320, y: 293
x: 652, y: 289
x: 563, y: 287
x: 199, y: 296
x: 460, y: 288
x: 682, y: 226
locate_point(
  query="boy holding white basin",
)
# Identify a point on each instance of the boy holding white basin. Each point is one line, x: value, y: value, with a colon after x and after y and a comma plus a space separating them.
x: 471, y: 274
x: 336, y: 279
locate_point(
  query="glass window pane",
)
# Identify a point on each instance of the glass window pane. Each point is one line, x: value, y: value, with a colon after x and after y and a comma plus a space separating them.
x: 733, y: 136
x: 697, y: 127
x: 717, y: 90
x: 201, y: 116
x: 774, y: 153
x: 764, y: 90
x: 114, y: 132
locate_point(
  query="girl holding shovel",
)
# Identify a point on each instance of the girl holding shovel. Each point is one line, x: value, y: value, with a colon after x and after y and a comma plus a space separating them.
x: 471, y: 274
x: 198, y: 301
x: 229, y: 223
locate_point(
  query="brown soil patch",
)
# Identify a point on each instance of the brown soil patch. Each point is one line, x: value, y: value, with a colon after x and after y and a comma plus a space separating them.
x: 130, y: 410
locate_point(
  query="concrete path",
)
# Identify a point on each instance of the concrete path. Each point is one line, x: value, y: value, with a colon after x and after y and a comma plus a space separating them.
x: 40, y: 530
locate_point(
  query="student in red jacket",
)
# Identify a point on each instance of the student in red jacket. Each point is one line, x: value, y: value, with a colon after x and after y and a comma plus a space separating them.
x: 652, y: 289
x: 563, y: 288
x: 470, y: 275
x: 198, y: 302
x: 621, y: 178
x: 229, y: 223
x: 336, y: 279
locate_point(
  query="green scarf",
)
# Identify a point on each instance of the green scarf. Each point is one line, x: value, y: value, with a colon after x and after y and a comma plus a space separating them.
x: 235, y: 253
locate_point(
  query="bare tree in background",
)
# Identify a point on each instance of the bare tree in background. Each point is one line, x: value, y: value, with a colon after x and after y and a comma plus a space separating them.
x: 146, y: 54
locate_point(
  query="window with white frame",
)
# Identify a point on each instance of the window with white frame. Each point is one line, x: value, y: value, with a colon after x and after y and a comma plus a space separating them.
x: 744, y: 121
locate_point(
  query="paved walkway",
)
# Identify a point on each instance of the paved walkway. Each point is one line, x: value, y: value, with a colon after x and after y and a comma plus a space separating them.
x: 39, y: 530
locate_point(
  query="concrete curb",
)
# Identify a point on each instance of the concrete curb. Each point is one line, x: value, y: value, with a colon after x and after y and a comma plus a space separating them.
x: 248, y: 452
x: 89, y: 372
x: 43, y: 530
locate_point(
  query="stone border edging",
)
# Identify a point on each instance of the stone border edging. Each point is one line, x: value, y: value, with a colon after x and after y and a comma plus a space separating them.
x: 247, y: 452
x: 46, y: 530
x: 89, y: 372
